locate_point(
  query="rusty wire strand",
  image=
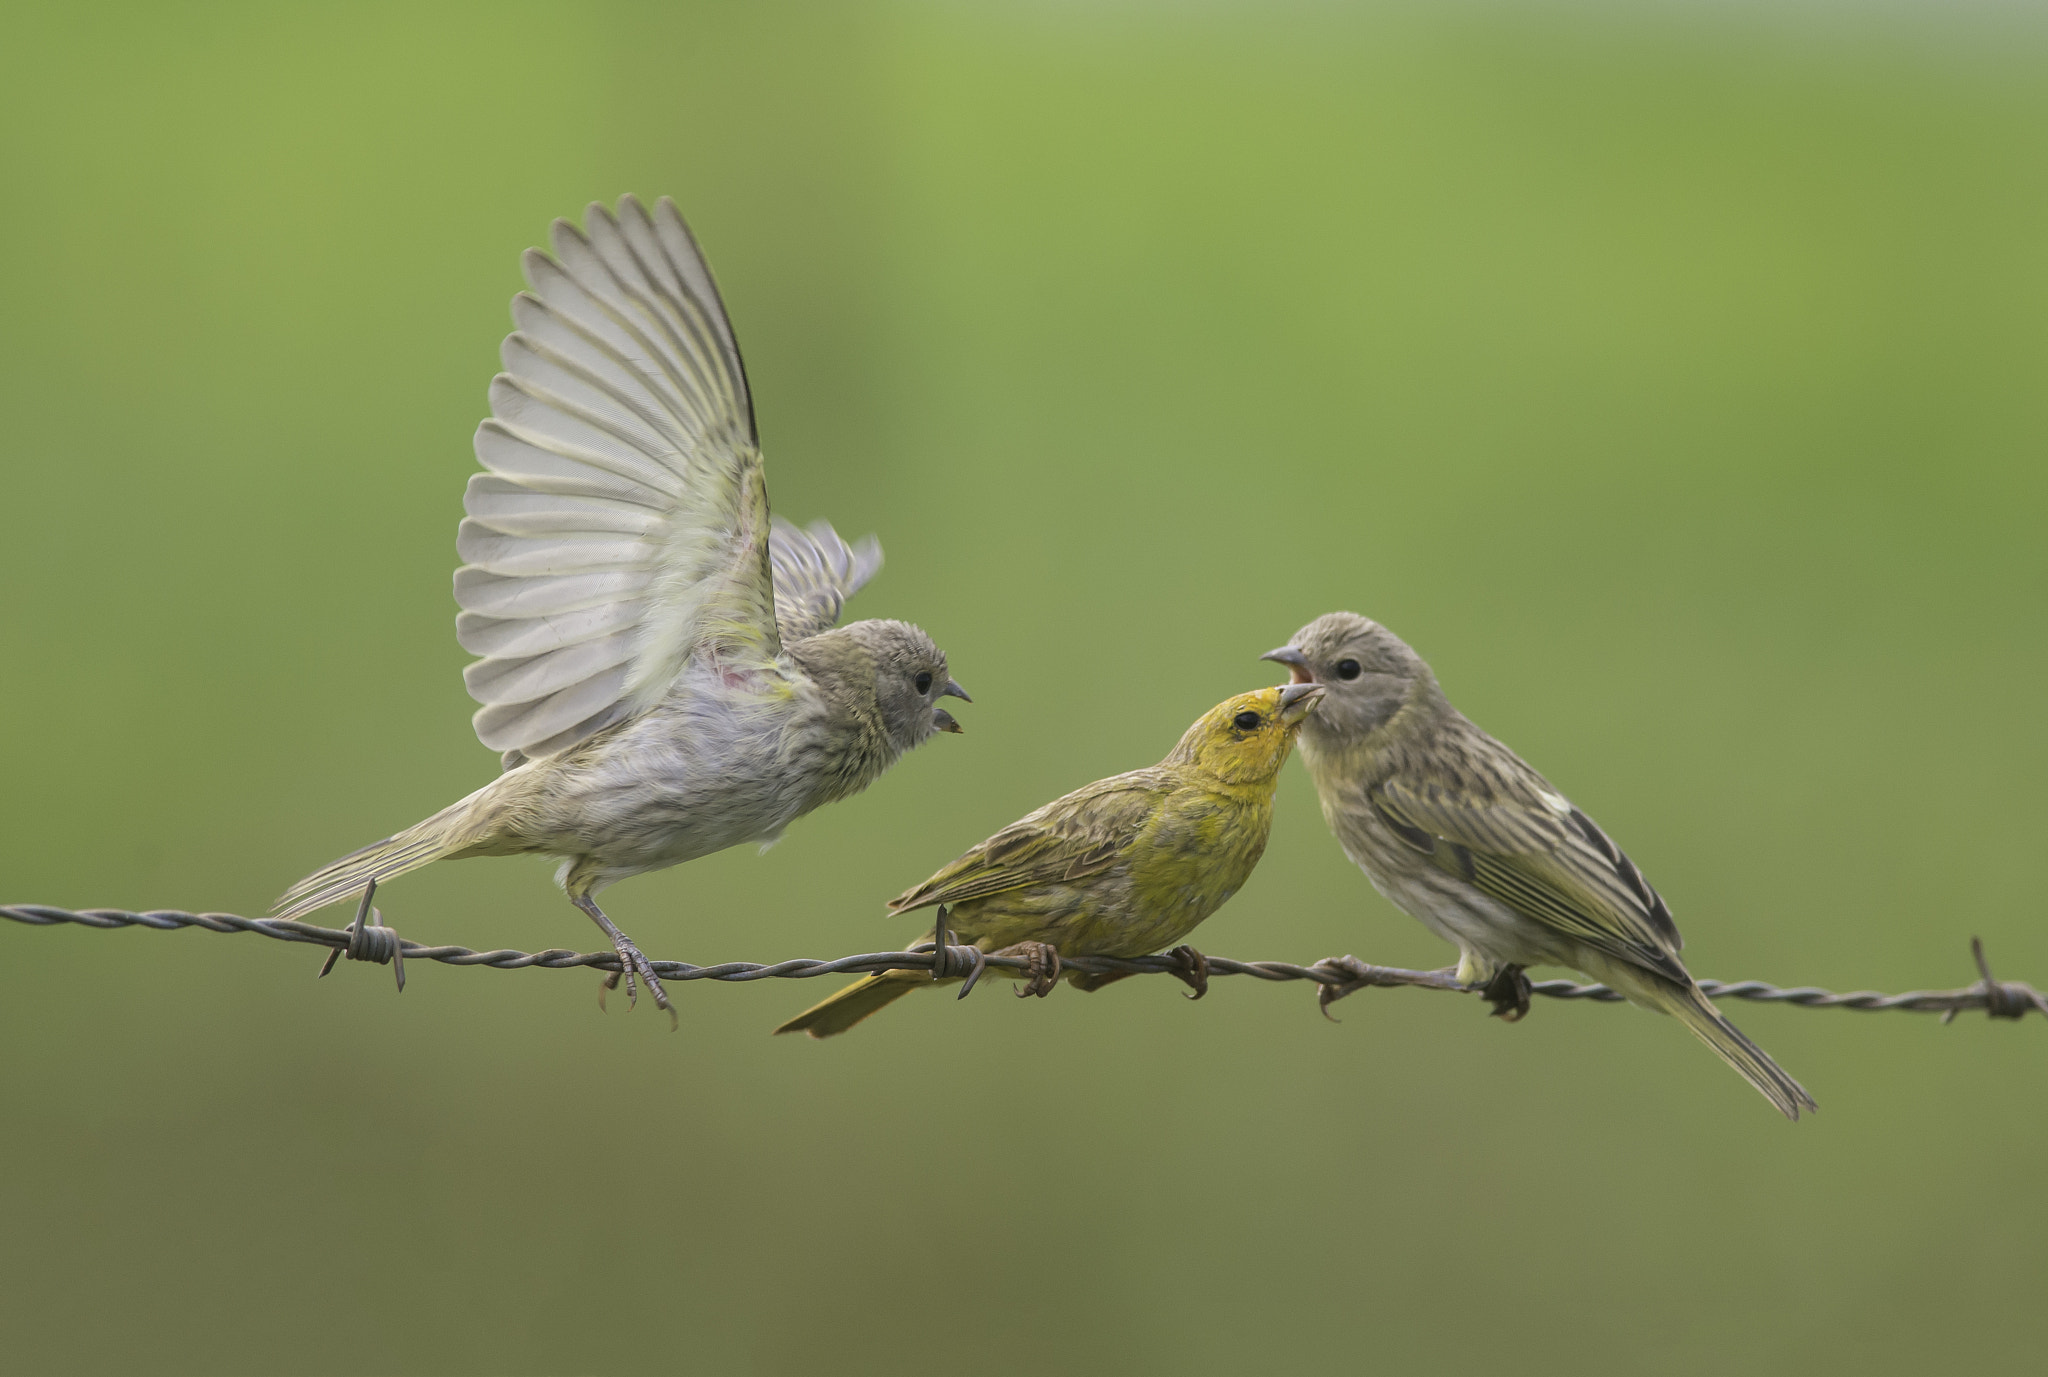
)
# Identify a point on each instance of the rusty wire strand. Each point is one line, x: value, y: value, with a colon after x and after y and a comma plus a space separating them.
x: 1338, y: 975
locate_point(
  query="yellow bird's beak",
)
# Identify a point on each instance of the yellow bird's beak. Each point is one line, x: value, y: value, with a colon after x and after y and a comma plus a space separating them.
x: 1298, y: 700
x: 1296, y: 662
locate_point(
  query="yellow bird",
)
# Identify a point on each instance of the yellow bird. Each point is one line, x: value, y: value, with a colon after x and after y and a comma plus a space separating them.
x: 1122, y: 867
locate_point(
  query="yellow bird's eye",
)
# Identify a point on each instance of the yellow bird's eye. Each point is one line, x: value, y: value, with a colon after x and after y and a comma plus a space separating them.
x: 1247, y: 721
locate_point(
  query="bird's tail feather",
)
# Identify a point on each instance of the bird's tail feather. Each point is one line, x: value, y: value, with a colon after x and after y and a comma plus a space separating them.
x: 1692, y: 1008
x: 443, y: 834
x: 868, y: 995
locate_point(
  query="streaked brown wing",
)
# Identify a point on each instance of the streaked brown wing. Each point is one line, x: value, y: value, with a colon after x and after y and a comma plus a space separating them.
x: 1501, y: 828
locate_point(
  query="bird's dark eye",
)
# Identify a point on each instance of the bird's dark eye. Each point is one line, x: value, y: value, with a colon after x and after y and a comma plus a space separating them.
x: 1247, y: 721
x: 924, y: 683
x: 1347, y: 669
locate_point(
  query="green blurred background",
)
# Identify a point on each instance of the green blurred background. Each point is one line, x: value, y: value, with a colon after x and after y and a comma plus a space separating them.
x: 1672, y: 377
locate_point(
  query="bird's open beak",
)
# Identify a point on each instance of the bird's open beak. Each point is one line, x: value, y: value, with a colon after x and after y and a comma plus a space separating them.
x: 1298, y: 700
x: 944, y: 720
x: 1296, y: 662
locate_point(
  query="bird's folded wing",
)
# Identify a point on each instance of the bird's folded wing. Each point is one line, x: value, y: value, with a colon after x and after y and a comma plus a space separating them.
x: 1069, y: 839
x: 815, y: 573
x: 1509, y: 834
x: 622, y: 524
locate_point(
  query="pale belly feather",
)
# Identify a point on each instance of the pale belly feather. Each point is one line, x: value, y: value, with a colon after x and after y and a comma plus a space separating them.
x: 704, y: 771
x: 1487, y: 933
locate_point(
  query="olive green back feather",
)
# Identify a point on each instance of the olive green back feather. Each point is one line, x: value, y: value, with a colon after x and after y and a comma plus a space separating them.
x: 1077, y: 835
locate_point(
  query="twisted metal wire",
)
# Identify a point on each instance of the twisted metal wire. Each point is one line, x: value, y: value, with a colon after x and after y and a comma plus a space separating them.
x: 368, y: 940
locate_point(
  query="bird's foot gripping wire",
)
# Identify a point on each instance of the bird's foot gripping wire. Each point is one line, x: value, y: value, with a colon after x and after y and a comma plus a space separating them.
x: 634, y: 967
x: 1044, y: 971
x: 1191, y: 968
x: 1508, y: 993
x: 1354, y: 975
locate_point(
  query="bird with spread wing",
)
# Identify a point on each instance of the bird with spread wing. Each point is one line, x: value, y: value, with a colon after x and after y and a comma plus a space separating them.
x: 1121, y: 867
x: 660, y: 665
x: 1460, y: 832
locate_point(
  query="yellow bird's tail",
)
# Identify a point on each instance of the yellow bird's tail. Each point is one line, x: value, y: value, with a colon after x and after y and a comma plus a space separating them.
x: 841, y: 1010
x: 1692, y: 1008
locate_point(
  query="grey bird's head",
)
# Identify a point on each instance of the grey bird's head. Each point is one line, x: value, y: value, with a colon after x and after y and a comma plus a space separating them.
x: 1368, y: 674
x: 910, y: 679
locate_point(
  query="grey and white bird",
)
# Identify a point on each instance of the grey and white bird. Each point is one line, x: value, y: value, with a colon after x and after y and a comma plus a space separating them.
x: 659, y: 661
x: 1457, y: 831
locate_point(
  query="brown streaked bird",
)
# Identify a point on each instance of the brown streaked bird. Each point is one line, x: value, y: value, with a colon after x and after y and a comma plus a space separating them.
x: 1121, y: 867
x: 661, y: 665
x: 1457, y: 831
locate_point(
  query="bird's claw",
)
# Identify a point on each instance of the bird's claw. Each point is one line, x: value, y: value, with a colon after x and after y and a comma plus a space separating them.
x: 1044, y: 971
x: 633, y: 967
x: 1508, y: 993
x: 1355, y: 974
x: 1191, y: 968
x: 1359, y: 975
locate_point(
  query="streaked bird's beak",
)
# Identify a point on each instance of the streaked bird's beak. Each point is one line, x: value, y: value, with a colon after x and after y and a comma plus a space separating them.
x: 943, y: 720
x: 953, y: 690
x: 1296, y: 662
x: 1297, y: 700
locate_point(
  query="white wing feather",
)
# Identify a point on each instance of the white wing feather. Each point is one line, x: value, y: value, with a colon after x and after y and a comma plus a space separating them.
x: 622, y: 525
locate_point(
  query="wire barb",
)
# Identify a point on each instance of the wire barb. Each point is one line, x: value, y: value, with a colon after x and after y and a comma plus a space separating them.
x: 2002, y: 999
x: 948, y: 961
x: 367, y: 939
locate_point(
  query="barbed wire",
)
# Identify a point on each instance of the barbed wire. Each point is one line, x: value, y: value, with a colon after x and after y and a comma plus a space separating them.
x: 367, y: 939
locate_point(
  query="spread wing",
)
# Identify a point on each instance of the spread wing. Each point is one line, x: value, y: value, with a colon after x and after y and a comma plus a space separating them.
x: 815, y: 573
x: 1501, y: 828
x: 622, y: 525
x: 1072, y: 837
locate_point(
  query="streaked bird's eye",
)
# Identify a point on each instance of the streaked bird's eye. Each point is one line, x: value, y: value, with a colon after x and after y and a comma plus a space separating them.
x: 1247, y: 721
x: 1347, y: 669
x: 924, y: 683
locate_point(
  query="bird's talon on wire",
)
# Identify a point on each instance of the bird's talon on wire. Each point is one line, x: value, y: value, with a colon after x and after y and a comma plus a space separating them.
x: 1354, y: 972
x: 1508, y: 992
x: 1191, y: 968
x: 635, y: 968
x: 632, y: 963
x: 1043, y: 973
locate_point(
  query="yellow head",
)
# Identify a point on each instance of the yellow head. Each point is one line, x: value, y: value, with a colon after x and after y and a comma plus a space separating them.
x: 1245, y: 740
